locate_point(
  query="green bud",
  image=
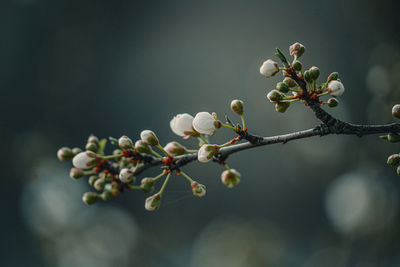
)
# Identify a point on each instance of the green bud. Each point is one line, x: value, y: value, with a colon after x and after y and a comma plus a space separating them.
x: 333, y: 76
x: 237, y: 106
x: 93, y: 139
x: 289, y: 82
x: 142, y: 147
x: 307, y: 76
x: 297, y: 49
x: 393, y: 138
x: 106, y: 195
x: 297, y: 65
x: 393, y: 160
x: 90, y: 198
x: 99, y: 184
x: 282, y: 87
x: 282, y: 106
x: 152, y: 203
x: 147, y: 185
x: 314, y: 73
x: 333, y: 102
x: 396, y: 111
x: 92, y: 179
x: 275, y: 96
x: 65, y: 153
x: 76, y: 173
x: 76, y: 150
x: 94, y: 147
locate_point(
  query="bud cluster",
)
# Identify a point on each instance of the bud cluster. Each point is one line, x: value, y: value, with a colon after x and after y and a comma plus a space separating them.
x: 299, y: 85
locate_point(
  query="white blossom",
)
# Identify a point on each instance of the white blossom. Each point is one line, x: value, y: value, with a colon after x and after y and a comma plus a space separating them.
x: 181, y: 125
x: 335, y: 88
x: 206, y: 152
x: 85, y: 160
x: 269, y: 68
x: 125, y: 175
x: 149, y: 137
x: 205, y: 123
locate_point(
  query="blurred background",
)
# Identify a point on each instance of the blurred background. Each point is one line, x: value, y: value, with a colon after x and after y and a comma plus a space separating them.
x: 73, y: 68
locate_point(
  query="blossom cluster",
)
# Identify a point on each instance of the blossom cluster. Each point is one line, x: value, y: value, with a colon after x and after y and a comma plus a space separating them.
x: 112, y: 174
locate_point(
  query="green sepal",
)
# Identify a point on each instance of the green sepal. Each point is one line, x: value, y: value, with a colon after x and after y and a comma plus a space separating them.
x: 113, y: 141
x: 282, y: 57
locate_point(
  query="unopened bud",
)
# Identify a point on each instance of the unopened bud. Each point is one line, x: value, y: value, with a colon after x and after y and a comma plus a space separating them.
x: 142, y: 147
x: 230, y: 178
x: 333, y: 76
x: 76, y: 173
x: 282, y: 106
x: 90, y: 198
x: 85, y: 160
x: 398, y: 170
x: 64, y: 154
x: 106, y: 195
x: 99, y: 184
x: 393, y: 160
x: 175, y: 149
x: 153, y: 202
x: 147, y: 185
x: 274, y: 96
x: 93, y: 139
x: 297, y: 49
x: 125, y: 175
x: 217, y: 124
x: 314, y: 73
x: 282, y: 87
x: 92, y: 179
x: 92, y: 147
x: 396, y: 111
x: 289, y: 82
x: 206, y: 152
x: 297, y: 65
x: 269, y: 68
x: 307, y: 76
x: 198, y: 190
x: 149, y: 137
x: 393, y: 138
x: 125, y: 142
x: 76, y: 150
x: 333, y: 102
x: 237, y: 106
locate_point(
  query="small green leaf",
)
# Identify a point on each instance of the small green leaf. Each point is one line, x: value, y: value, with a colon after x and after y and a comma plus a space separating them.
x: 282, y: 57
x: 113, y: 141
x: 102, y: 145
x: 229, y: 121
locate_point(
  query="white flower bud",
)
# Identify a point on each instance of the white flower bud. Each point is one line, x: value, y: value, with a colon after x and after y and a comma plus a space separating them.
x: 335, y: 88
x: 99, y: 184
x: 153, y: 202
x: 181, y: 125
x: 205, y: 123
x: 65, y: 153
x: 230, y: 178
x: 125, y: 142
x: 269, y: 68
x: 175, y: 149
x: 142, y: 147
x: 125, y: 175
x: 198, y: 190
x: 85, y: 160
x: 147, y: 185
x: 149, y: 137
x: 237, y: 106
x: 206, y: 152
